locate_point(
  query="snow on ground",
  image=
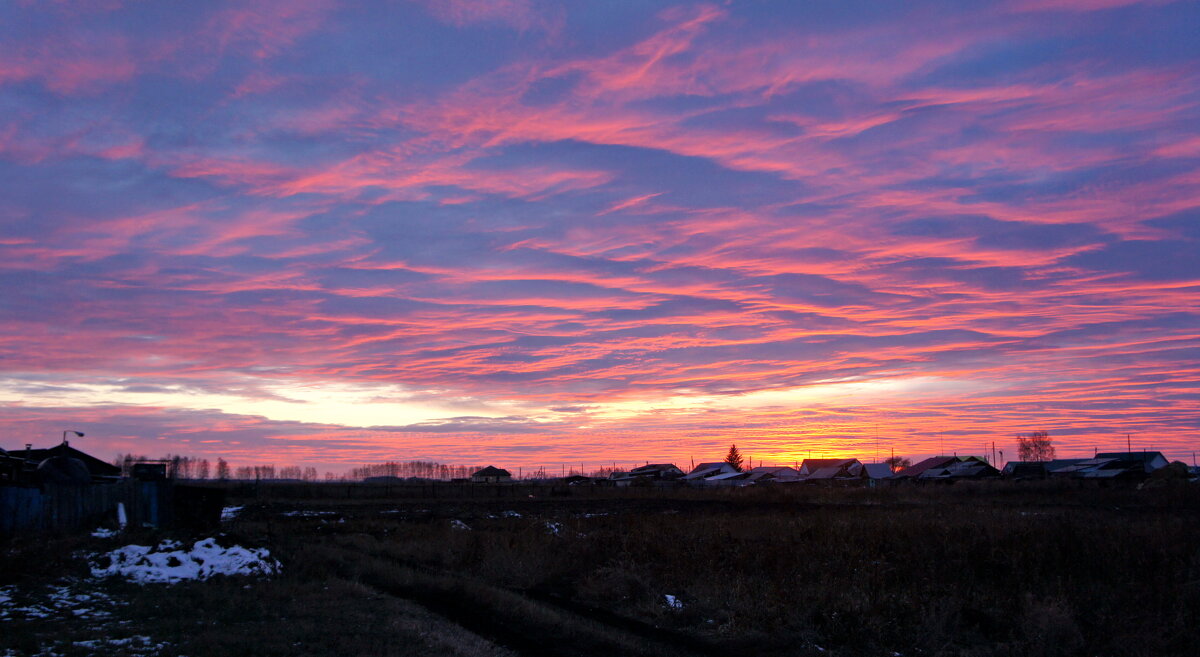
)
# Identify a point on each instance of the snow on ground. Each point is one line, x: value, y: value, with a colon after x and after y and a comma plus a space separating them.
x: 230, y: 512
x: 138, y: 643
x: 673, y: 602
x: 458, y: 524
x: 554, y: 528
x: 307, y: 514
x: 102, y: 532
x: 59, y: 601
x: 169, y: 562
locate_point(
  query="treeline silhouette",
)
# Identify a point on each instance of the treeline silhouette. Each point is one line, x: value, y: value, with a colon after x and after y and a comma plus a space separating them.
x: 180, y: 466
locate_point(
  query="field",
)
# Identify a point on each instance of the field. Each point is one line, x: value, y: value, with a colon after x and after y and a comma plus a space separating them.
x: 986, y: 569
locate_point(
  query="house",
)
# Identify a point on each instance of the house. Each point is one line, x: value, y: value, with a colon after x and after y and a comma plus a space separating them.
x: 706, y: 470
x: 808, y: 467
x: 765, y: 474
x: 1115, y: 466
x: 1021, y: 470
x: 961, y: 467
x: 491, y: 475
x: 949, y: 468
x: 876, y: 471
x: 915, y: 470
x: 1150, y: 461
x: 734, y: 478
x: 651, y: 472
x: 831, y: 469
x: 99, y: 470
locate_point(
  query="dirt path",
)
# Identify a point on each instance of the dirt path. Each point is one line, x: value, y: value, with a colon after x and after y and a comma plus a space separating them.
x: 529, y: 623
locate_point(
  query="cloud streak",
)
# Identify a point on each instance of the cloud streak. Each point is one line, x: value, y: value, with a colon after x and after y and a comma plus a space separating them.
x: 685, y: 223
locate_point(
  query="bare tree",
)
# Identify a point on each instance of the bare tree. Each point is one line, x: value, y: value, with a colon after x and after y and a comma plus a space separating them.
x: 897, y: 463
x: 1037, y: 446
x: 734, y: 458
x: 222, y: 469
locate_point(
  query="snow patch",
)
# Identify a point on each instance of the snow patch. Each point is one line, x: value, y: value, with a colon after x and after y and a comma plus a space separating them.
x: 54, y: 601
x: 554, y: 528
x: 673, y: 602
x: 307, y: 514
x: 459, y: 525
x: 102, y: 532
x: 168, y: 563
x: 230, y: 512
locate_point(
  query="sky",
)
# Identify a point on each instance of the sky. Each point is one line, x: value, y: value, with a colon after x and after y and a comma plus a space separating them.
x: 534, y: 232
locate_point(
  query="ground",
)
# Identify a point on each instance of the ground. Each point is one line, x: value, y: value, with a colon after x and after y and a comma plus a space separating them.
x: 997, y: 569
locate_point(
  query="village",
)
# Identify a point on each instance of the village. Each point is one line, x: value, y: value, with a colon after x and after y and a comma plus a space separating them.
x: 64, y: 488
x: 627, y: 562
x: 1126, y: 467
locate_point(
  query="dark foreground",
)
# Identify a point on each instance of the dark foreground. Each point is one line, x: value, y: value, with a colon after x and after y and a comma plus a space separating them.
x: 964, y: 570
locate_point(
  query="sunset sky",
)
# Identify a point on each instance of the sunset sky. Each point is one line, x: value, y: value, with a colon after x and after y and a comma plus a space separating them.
x: 526, y: 232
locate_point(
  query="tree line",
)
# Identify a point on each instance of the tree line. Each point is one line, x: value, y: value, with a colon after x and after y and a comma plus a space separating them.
x: 180, y: 466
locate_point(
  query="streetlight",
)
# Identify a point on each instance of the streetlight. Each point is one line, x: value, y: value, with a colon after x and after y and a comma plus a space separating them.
x: 77, y: 433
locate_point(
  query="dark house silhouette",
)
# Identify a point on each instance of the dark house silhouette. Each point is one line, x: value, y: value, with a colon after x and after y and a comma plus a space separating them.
x: 491, y: 475
x: 97, y: 468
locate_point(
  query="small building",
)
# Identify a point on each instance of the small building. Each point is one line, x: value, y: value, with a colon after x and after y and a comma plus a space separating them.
x: 733, y: 478
x: 706, y: 470
x: 99, y: 470
x: 949, y: 468
x: 1150, y: 461
x: 809, y: 467
x: 876, y: 471
x: 383, y: 479
x: 766, y: 474
x: 1022, y: 470
x: 149, y: 471
x: 648, y: 474
x: 962, y: 467
x: 1117, y: 466
x: 491, y: 475
x: 832, y: 469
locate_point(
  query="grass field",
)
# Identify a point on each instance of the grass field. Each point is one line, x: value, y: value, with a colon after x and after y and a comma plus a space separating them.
x: 963, y: 570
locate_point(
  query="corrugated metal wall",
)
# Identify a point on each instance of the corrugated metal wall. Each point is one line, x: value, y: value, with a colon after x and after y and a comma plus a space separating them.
x: 68, y: 508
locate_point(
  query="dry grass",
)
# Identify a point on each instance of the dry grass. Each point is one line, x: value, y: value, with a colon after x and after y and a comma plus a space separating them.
x: 965, y: 570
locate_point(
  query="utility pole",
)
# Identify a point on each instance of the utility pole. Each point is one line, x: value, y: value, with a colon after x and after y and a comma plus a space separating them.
x: 1127, y: 447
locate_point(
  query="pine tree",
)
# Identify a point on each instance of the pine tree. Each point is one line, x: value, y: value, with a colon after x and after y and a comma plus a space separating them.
x: 734, y: 458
